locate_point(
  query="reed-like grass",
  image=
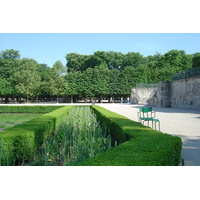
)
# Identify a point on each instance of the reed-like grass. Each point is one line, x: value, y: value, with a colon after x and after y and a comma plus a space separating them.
x: 79, y: 137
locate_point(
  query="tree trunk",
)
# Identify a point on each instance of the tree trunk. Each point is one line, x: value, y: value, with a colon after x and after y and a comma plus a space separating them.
x: 72, y: 99
x: 6, y: 99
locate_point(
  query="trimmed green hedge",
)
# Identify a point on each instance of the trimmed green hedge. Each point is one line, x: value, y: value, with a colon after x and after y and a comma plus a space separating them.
x: 19, y: 143
x: 138, y: 145
x: 28, y: 109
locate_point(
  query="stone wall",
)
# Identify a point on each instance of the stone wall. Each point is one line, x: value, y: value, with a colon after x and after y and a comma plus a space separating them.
x: 141, y: 95
x: 162, y: 95
x: 183, y: 93
x: 186, y: 93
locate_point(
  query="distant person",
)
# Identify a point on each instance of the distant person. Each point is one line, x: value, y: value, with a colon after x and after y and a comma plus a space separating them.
x: 111, y: 100
x: 122, y: 99
x: 128, y: 100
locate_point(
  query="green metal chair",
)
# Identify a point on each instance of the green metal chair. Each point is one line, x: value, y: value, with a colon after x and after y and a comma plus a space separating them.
x: 147, y: 114
x: 156, y: 121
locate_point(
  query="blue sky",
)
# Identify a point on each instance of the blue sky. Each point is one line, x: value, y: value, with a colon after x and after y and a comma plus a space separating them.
x: 49, y: 47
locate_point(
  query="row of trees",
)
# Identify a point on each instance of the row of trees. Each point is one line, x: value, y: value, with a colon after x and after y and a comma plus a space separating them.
x: 25, y: 78
x: 175, y: 59
x: 101, y: 75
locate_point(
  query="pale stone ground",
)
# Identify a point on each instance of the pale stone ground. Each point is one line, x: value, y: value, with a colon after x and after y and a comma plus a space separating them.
x: 184, y: 123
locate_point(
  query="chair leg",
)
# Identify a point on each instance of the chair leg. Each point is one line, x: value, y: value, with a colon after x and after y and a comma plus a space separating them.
x: 158, y: 125
x: 152, y: 124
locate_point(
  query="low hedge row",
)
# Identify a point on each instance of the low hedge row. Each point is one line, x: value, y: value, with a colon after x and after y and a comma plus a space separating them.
x: 19, y: 143
x: 28, y: 109
x: 138, y: 145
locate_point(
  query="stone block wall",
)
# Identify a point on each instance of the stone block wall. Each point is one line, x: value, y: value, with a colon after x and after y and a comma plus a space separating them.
x: 186, y: 93
x: 141, y: 95
x: 183, y: 93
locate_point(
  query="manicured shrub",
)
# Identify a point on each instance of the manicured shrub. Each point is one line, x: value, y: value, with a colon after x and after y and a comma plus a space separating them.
x: 28, y: 109
x: 19, y: 143
x: 80, y: 136
x: 138, y: 145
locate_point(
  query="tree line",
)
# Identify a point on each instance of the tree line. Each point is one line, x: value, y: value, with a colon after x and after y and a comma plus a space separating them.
x: 98, y: 76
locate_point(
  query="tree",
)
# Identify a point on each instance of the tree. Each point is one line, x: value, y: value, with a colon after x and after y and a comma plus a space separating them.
x: 92, y: 61
x: 129, y: 77
x: 86, y: 83
x: 72, y: 79
x: 178, y: 60
x: 59, y: 68
x: 75, y: 62
x: 6, y: 88
x: 43, y: 71
x: 196, y: 60
x: 101, y: 82
x: 10, y: 54
x: 134, y: 59
x: 115, y: 59
x: 114, y: 83
x: 55, y: 84
x: 155, y: 61
x: 7, y: 68
x: 27, y: 79
x: 8, y: 65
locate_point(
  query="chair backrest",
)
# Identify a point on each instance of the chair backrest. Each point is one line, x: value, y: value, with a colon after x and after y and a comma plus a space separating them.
x: 147, y: 112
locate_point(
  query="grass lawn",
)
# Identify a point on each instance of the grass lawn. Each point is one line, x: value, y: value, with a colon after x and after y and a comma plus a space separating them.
x: 10, y: 120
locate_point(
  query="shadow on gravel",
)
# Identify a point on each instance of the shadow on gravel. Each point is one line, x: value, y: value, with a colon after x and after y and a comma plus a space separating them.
x: 191, y: 150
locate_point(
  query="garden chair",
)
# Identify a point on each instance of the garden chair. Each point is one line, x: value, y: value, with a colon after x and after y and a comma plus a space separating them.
x: 147, y: 114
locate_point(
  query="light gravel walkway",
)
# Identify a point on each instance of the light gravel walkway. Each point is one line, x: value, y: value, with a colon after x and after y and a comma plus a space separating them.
x: 184, y: 123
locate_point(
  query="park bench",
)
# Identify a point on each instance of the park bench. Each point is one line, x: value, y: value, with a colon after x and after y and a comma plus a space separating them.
x: 146, y: 114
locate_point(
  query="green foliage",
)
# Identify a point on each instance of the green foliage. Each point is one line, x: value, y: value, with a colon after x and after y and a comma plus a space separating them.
x: 88, y: 76
x: 55, y: 83
x: 100, y: 81
x: 138, y: 145
x: 6, y: 87
x: 114, y: 83
x: 178, y: 60
x: 79, y: 137
x: 134, y: 59
x: 115, y: 60
x: 19, y: 143
x: 8, y: 120
x: 73, y: 80
x: 196, y: 60
x: 75, y: 62
x: 27, y: 79
x: 10, y: 54
x: 28, y: 109
x: 59, y: 68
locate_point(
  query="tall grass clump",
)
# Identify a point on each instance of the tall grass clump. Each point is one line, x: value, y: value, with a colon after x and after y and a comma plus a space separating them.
x: 79, y: 137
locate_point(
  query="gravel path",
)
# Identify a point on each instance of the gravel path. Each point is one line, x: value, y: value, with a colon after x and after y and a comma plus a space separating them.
x: 184, y: 123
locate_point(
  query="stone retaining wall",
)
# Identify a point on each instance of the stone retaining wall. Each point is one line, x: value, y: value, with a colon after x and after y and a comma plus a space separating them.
x: 186, y: 93
x: 183, y: 93
x: 141, y: 95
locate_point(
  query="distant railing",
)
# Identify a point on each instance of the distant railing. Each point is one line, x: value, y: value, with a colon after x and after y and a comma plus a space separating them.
x: 186, y: 74
x: 146, y: 85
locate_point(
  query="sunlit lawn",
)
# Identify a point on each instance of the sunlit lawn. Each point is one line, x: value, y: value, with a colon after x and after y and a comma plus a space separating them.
x: 10, y: 120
